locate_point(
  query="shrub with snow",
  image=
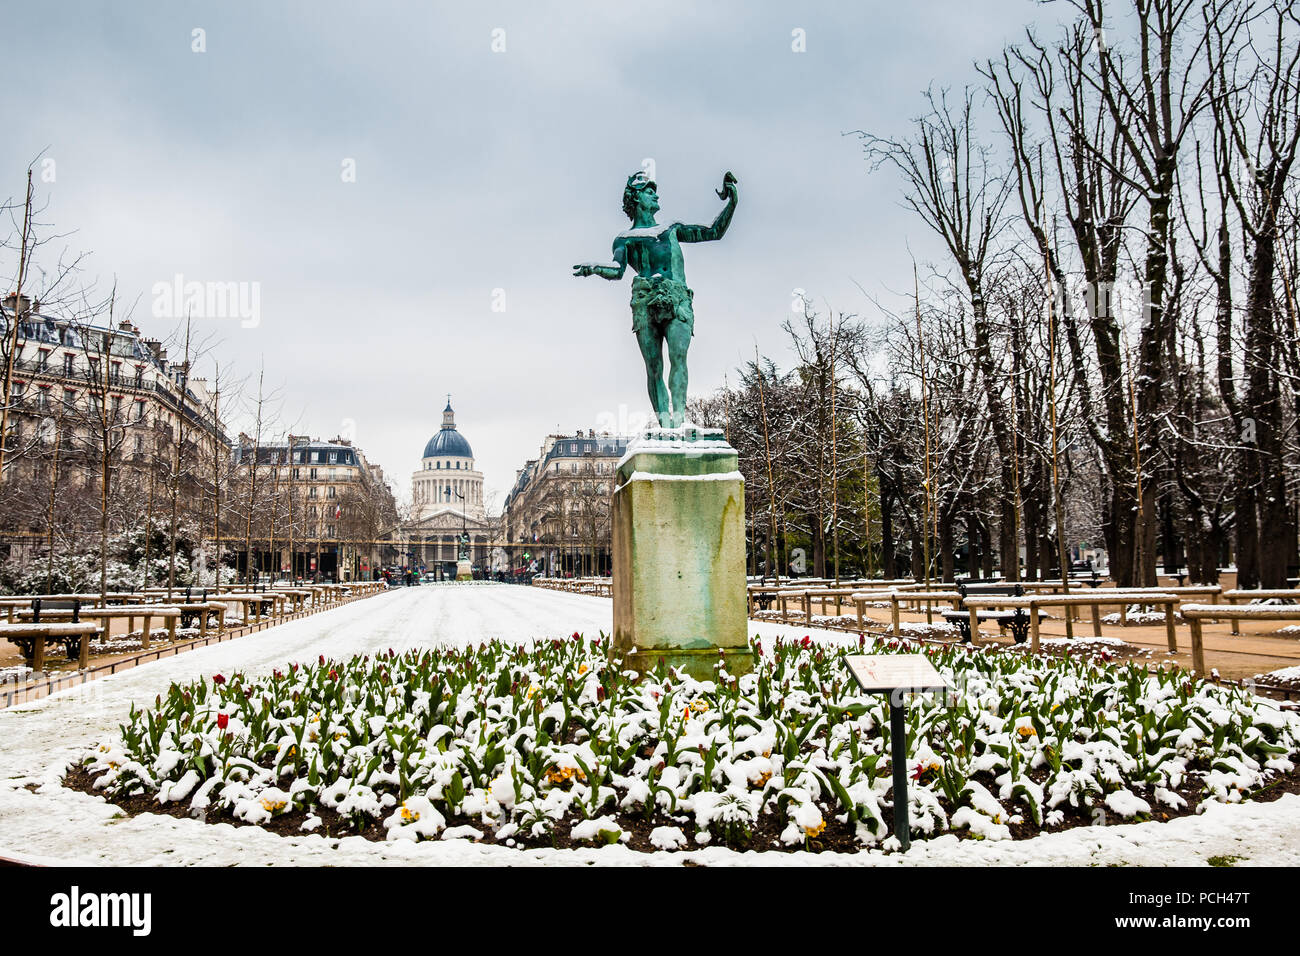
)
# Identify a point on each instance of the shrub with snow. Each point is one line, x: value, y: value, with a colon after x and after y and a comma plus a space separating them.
x: 512, y: 741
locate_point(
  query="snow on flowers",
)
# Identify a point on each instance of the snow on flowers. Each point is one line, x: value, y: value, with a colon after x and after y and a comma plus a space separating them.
x: 514, y: 741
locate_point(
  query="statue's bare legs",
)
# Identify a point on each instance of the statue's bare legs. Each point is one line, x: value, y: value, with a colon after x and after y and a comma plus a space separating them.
x: 652, y: 351
x: 678, y: 335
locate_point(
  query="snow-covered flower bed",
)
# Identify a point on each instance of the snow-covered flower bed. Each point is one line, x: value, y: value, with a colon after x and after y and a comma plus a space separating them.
x: 529, y: 745
x: 937, y: 630
x: 1100, y: 650
x: 796, y: 616
x: 14, y: 674
x: 134, y: 641
x: 1136, y: 617
x: 1285, y: 677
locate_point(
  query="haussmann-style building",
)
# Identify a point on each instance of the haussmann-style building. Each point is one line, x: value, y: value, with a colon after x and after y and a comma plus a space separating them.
x: 557, y: 515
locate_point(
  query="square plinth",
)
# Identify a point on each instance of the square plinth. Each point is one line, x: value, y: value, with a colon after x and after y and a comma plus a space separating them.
x: 679, y: 549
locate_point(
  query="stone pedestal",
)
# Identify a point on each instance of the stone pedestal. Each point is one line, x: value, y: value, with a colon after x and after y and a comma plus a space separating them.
x: 679, y: 553
x: 464, y: 571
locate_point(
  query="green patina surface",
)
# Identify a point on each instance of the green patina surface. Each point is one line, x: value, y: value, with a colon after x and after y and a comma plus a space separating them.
x: 690, y: 463
x: 661, y: 301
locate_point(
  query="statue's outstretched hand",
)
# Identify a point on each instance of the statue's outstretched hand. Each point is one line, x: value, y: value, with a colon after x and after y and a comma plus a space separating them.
x: 583, y: 269
x: 728, y: 190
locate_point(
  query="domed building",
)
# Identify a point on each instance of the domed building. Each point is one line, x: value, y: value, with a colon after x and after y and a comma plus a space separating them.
x: 446, y: 503
x: 447, y: 479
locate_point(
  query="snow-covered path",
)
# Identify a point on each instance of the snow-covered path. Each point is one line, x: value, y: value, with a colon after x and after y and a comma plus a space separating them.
x: 49, y: 822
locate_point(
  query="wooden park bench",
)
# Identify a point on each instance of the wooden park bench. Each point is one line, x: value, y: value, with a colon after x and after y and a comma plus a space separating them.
x: 1031, y: 605
x: 129, y: 612
x: 1122, y: 597
x: 298, y: 598
x: 916, y: 595
x: 75, y: 638
x: 252, y: 603
x: 15, y: 603
x: 1282, y: 597
x: 1195, y: 614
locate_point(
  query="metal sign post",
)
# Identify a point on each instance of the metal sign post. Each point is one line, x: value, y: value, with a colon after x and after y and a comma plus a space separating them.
x: 897, y: 675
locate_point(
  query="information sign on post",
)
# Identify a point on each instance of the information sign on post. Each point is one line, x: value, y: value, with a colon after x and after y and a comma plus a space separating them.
x: 897, y: 675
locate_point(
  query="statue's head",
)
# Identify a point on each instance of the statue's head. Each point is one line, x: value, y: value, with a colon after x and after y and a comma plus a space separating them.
x: 640, y: 193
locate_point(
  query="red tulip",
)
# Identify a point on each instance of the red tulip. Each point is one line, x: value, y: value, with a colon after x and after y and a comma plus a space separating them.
x: 223, y: 720
x: 218, y: 679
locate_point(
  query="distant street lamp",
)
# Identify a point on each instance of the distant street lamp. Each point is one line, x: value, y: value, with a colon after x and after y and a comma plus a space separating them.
x: 464, y: 530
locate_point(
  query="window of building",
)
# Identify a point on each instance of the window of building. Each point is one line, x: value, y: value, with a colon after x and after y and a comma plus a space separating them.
x: 43, y: 359
x: 139, y: 409
x: 311, y: 491
x: 67, y: 363
x: 331, y: 491
x: 334, y: 457
x: 311, y: 474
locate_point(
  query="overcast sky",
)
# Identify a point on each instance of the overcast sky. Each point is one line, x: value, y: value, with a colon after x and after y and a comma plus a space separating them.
x: 481, y: 176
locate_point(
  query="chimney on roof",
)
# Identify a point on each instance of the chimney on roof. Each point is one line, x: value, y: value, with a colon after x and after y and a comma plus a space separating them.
x: 19, y: 304
x: 124, y: 325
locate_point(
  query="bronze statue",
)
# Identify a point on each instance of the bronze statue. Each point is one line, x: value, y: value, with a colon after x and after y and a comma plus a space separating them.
x: 661, y: 301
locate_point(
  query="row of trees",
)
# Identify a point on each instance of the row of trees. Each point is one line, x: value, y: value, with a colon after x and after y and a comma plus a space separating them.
x: 1108, y: 351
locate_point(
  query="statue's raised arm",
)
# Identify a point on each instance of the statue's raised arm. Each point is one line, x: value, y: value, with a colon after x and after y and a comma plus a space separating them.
x: 688, y: 233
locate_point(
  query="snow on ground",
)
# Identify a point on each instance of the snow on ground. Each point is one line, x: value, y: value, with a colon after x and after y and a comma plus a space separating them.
x: 40, y: 819
x: 1137, y: 618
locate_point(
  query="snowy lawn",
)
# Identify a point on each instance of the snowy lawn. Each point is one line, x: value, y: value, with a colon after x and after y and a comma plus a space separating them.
x: 1046, y: 738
